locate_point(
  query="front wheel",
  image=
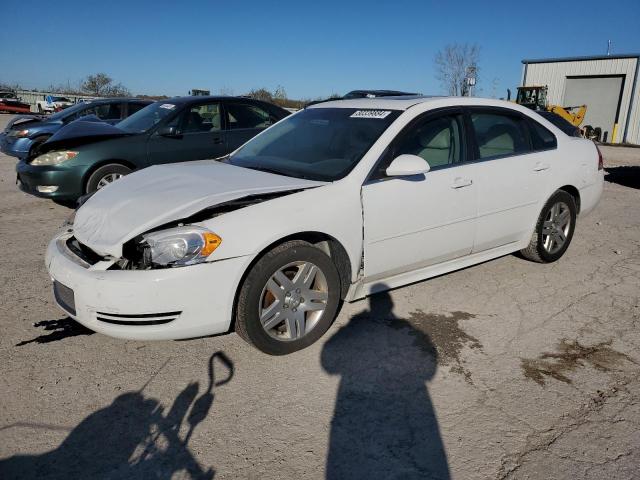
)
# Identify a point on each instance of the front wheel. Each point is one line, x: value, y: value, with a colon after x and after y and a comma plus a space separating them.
x: 289, y: 298
x: 105, y: 175
x: 554, y: 229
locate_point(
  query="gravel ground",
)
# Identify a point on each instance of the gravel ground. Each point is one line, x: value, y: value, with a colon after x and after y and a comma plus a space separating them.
x: 508, y: 369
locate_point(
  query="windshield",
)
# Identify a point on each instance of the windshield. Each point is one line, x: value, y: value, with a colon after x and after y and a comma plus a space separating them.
x: 147, y: 118
x: 317, y: 143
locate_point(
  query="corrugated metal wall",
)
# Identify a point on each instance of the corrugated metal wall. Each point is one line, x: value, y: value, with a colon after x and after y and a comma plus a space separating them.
x: 554, y: 74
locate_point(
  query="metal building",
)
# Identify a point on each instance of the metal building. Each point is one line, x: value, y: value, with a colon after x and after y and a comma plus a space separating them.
x: 608, y: 85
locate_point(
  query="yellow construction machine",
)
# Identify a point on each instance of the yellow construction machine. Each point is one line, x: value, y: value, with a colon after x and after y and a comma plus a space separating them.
x: 535, y: 98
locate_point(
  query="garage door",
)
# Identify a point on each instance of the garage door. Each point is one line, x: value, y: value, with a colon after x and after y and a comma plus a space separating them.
x: 601, y: 95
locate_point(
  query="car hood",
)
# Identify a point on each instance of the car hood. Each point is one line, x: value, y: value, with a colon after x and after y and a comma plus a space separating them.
x: 82, y: 132
x: 25, y: 121
x: 161, y: 194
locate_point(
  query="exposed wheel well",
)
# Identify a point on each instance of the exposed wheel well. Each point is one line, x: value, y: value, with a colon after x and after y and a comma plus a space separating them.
x: 573, y: 191
x: 326, y: 243
x: 93, y: 168
x: 37, y: 141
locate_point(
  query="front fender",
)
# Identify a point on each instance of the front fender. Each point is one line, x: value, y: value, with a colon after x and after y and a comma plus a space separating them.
x: 334, y: 210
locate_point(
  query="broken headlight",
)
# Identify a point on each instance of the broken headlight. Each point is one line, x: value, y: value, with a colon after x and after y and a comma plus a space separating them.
x: 179, y: 246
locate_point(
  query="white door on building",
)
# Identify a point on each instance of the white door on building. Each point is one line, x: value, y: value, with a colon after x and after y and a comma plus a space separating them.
x: 601, y: 95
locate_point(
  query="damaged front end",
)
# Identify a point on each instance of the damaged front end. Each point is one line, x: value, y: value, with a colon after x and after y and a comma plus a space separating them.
x: 180, y: 242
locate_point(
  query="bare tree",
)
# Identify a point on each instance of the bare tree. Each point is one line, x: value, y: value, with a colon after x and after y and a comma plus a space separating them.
x: 452, y: 64
x: 280, y: 96
x: 261, y: 94
x: 102, y: 85
x: 97, y: 84
x: 117, y: 90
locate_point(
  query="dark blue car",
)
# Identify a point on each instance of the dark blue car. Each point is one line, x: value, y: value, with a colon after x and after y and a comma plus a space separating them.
x: 25, y: 133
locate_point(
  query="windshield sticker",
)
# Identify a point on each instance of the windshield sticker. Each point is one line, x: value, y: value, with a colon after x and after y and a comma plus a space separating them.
x: 168, y: 106
x: 371, y: 114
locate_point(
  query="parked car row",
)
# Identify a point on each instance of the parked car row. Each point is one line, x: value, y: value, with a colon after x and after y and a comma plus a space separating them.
x: 63, y: 159
x: 335, y: 202
x: 24, y: 134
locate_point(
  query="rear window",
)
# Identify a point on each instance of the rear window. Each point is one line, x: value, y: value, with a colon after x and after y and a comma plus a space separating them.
x: 499, y: 135
x: 541, y: 138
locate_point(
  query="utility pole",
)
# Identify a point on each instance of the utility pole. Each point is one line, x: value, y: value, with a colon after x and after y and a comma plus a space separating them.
x: 470, y: 80
x: 608, y: 47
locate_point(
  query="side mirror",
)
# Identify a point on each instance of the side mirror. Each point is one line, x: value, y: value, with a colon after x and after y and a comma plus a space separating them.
x: 169, y: 131
x: 406, y: 165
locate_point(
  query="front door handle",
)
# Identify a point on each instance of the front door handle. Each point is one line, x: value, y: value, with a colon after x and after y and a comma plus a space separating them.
x: 539, y: 167
x: 217, y: 140
x: 460, y: 182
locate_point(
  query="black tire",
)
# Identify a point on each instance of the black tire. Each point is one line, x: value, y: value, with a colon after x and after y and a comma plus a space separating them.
x: 536, y: 250
x: 247, y: 322
x: 109, y: 169
x: 36, y: 144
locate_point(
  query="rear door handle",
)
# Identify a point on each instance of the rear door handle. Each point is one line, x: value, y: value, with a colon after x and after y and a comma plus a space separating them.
x: 217, y: 140
x: 461, y: 182
x: 539, y: 167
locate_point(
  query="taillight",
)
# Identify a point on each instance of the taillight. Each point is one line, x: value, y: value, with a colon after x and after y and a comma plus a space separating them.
x: 600, y: 160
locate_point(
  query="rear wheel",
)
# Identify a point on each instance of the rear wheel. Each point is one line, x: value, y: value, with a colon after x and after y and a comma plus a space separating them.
x: 289, y: 298
x: 554, y: 229
x: 105, y: 175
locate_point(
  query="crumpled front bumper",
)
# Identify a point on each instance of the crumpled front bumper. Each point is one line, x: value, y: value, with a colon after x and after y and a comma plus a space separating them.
x: 160, y: 304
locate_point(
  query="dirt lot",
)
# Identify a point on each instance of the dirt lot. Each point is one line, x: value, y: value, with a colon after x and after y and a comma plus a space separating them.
x: 508, y: 369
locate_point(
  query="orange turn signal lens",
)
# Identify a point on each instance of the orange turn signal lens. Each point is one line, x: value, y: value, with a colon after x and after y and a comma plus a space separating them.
x: 211, y: 242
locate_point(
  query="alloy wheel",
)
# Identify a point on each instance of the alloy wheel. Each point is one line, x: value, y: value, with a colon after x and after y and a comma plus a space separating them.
x: 293, y: 301
x: 107, y: 179
x: 556, y: 227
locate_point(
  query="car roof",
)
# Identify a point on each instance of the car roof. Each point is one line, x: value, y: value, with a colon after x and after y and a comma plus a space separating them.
x: 386, y: 93
x: 119, y: 99
x: 201, y: 98
x: 405, y: 102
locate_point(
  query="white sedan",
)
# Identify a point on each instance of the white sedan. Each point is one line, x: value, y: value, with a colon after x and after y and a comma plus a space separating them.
x: 338, y: 201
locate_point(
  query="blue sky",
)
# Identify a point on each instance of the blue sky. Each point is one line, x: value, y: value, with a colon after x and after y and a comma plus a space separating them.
x: 313, y: 49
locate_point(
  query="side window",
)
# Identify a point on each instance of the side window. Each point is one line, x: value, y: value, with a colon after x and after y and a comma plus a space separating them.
x: 203, y: 118
x: 109, y: 111
x: 499, y: 134
x: 248, y: 116
x: 135, y: 107
x: 83, y: 113
x: 437, y: 140
x: 541, y: 138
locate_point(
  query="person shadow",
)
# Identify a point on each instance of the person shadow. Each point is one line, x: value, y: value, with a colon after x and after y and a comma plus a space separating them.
x: 132, y: 438
x: 384, y: 424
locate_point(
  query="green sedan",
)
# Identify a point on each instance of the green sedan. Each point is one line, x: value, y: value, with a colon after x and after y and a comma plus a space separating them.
x: 85, y: 155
